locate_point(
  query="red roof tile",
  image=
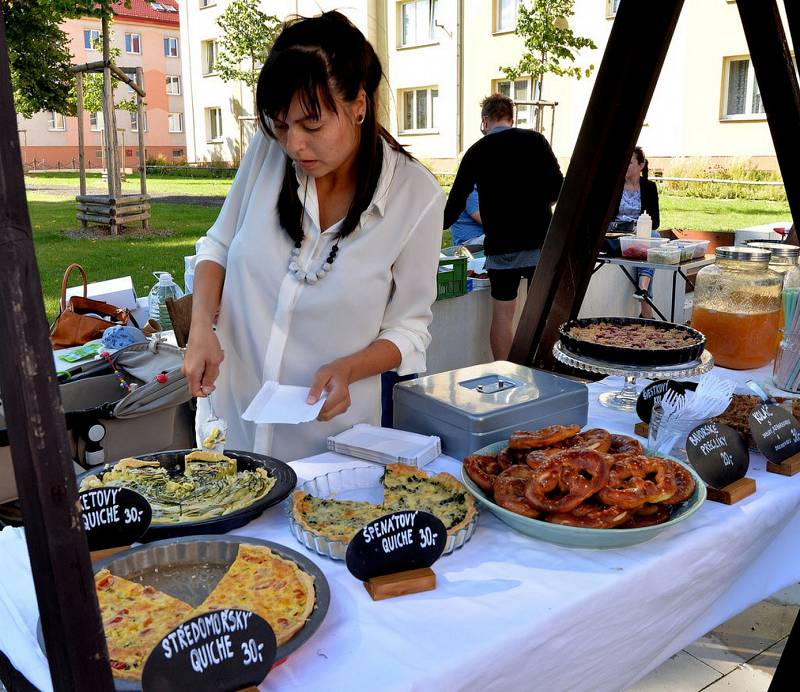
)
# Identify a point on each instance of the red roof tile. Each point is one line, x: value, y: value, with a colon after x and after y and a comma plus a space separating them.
x: 149, y: 10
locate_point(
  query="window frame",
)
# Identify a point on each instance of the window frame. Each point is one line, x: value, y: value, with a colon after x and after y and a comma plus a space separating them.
x: 177, y: 47
x: 52, y: 121
x: 130, y: 35
x: 92, y: 41
x: 210, y: 125
x: 748, y: 115
x: 431, y: 110
x: 209, y: 70
x: 512, y: 84
x: 97, y: 125
x: 177, y: 78
x: 431, y: 40
x: 180, y: 122
x: 611, y: 11
x: 498, y: 14
x: 134, y: 114
x: 205, y: 4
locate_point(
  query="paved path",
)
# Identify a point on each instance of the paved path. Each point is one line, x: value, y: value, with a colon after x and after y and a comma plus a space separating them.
x: 168, y: 198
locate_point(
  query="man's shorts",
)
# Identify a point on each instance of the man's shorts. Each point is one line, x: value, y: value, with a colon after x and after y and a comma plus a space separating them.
x: 505, y: 282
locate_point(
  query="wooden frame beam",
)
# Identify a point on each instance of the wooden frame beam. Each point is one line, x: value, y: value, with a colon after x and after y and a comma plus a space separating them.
x: 40, y: 452
x: 620, y: 98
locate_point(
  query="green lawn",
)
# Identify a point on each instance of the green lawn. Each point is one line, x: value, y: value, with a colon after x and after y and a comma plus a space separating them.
x: 155, y: 184
x: 106, y: 258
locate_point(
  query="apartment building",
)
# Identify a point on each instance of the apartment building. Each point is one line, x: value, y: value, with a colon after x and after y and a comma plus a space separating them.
x: 147, y: 34
x: 441, y: 57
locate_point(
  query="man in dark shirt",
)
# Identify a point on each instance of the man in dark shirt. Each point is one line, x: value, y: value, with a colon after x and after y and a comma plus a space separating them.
x: 518, y: 179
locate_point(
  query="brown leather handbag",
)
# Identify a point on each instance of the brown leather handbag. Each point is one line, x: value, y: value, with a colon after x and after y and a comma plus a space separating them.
x: 83, y: 319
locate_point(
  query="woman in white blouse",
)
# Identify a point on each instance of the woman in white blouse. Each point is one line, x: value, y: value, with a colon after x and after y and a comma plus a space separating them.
x: 323, y: 260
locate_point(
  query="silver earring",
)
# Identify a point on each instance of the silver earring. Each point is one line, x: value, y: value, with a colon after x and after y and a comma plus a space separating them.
x: 360, y: 118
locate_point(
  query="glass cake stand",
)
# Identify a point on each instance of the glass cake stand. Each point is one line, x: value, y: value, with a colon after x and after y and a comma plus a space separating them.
x: 625, y: 399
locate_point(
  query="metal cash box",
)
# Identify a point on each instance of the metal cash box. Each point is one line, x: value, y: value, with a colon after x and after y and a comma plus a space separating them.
x: 470, y: 408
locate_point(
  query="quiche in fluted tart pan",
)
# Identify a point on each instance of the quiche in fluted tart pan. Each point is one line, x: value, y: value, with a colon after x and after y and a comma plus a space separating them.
x: 326, y: 512
x: 632, y: 341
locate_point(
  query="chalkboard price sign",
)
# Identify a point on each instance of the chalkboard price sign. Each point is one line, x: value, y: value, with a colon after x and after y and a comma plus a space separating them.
x: 718, y: 453
x: 654, y: 392
x: 775, y: 431
x: 113, y: 516
x: 213, y: 652
x: 395, y: 543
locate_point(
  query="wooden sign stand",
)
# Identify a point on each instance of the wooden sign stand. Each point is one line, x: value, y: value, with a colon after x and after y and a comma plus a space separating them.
x: 789, y: 467
x: 733, y: 492
x: 401, y: 583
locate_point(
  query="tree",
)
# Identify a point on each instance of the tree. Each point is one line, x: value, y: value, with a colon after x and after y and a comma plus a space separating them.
x: 39, y: 53
x: 550, y: 44
x: 93, y: 88
x: 247, y: 35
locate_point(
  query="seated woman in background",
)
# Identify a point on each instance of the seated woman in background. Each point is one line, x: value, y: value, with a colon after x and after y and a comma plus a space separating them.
x: 468, y: 230
x: 639, y: 194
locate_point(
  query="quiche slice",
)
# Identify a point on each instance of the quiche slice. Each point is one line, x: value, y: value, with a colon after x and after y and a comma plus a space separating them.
x: 135, y: 618
x: 405, y: 487
x: 268, y: 585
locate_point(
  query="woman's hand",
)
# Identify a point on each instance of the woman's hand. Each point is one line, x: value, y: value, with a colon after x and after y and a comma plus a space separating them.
x: 335, y: 379
x: 202, y: 360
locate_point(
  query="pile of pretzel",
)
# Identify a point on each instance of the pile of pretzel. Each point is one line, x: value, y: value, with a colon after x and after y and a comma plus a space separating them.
x: 591, y: 479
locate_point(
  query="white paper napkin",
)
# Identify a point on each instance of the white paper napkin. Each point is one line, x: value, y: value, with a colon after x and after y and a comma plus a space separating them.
x: 282, y: 403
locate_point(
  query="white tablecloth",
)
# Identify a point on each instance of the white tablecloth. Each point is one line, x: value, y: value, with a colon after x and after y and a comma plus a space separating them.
x: 510, y: 612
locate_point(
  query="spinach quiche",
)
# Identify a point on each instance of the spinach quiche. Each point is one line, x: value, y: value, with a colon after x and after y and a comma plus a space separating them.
x: 404, y: 488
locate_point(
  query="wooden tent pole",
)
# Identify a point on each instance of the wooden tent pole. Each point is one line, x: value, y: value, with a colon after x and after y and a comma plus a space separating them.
x: 621, y: 95
x: 142, y: 161
x: 777, y: 82
x: 81, y: 142
x: 59, y: 555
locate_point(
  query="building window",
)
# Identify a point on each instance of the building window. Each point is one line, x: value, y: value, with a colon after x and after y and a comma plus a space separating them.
x: 207, y: 3
x: 175, y: 121
x: 92, y: 39
x: 209, y: 49
x: 506, y: 17
x: 135, y: 121
x: 611, y: 7
x: 417, y: 22
x: 56, y: 121
x: 173, y: 85
x: 96, y: 121
x: 742, y: 98
x: 517, y: 90
x: 132, y: 75
x: 171, y: 47
x: 214, y: 124
x: 133, y: 43
x: 420, y: 107
x: 177, y: 153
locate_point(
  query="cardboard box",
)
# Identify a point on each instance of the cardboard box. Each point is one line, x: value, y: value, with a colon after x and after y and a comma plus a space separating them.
x: 118, y: 292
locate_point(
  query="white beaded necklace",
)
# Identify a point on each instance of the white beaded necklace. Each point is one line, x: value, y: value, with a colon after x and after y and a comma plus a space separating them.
x: 310, y: 277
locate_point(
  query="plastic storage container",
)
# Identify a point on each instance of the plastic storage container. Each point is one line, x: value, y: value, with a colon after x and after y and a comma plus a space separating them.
x: 451, y: 281
x: 688, y: 248
x: 664, y: 254
x: 157, y: 300
x: 784, y: 260
x: 473, y: 407
x: 636, y: 248
x: 737, y: 306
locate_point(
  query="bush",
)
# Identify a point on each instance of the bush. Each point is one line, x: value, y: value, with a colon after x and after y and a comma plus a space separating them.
x: 736, y: 169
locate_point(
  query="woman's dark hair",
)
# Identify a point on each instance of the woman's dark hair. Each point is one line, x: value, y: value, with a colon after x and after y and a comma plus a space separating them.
x: 639, y: 154
x: 318, y: 59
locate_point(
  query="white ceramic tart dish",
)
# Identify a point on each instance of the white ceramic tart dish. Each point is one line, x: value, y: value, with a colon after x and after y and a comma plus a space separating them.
x: 325, y: 512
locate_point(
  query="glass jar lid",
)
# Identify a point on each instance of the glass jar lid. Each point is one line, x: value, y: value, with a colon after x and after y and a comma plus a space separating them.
x: 778, y: 250
x: 743, y: 254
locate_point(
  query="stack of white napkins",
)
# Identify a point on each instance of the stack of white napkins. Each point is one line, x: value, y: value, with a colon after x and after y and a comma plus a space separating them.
x: 386, y: 445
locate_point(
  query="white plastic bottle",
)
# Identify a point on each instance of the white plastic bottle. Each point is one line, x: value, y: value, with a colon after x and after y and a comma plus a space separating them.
x: 157, y: 300
x: 644, y: 225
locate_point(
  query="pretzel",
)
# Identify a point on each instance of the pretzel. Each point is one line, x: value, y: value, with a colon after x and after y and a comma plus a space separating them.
x: 509, y: 491
x: 560, y: 484
x: 622, y: 444
x: 683, y: 480
x: 482, y: 469
x: 535, y: 457
x: 545, y: 437
x: 633, y: 481
x: 597, y: 439
x: 591, y: 516
x: 649, y: 515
